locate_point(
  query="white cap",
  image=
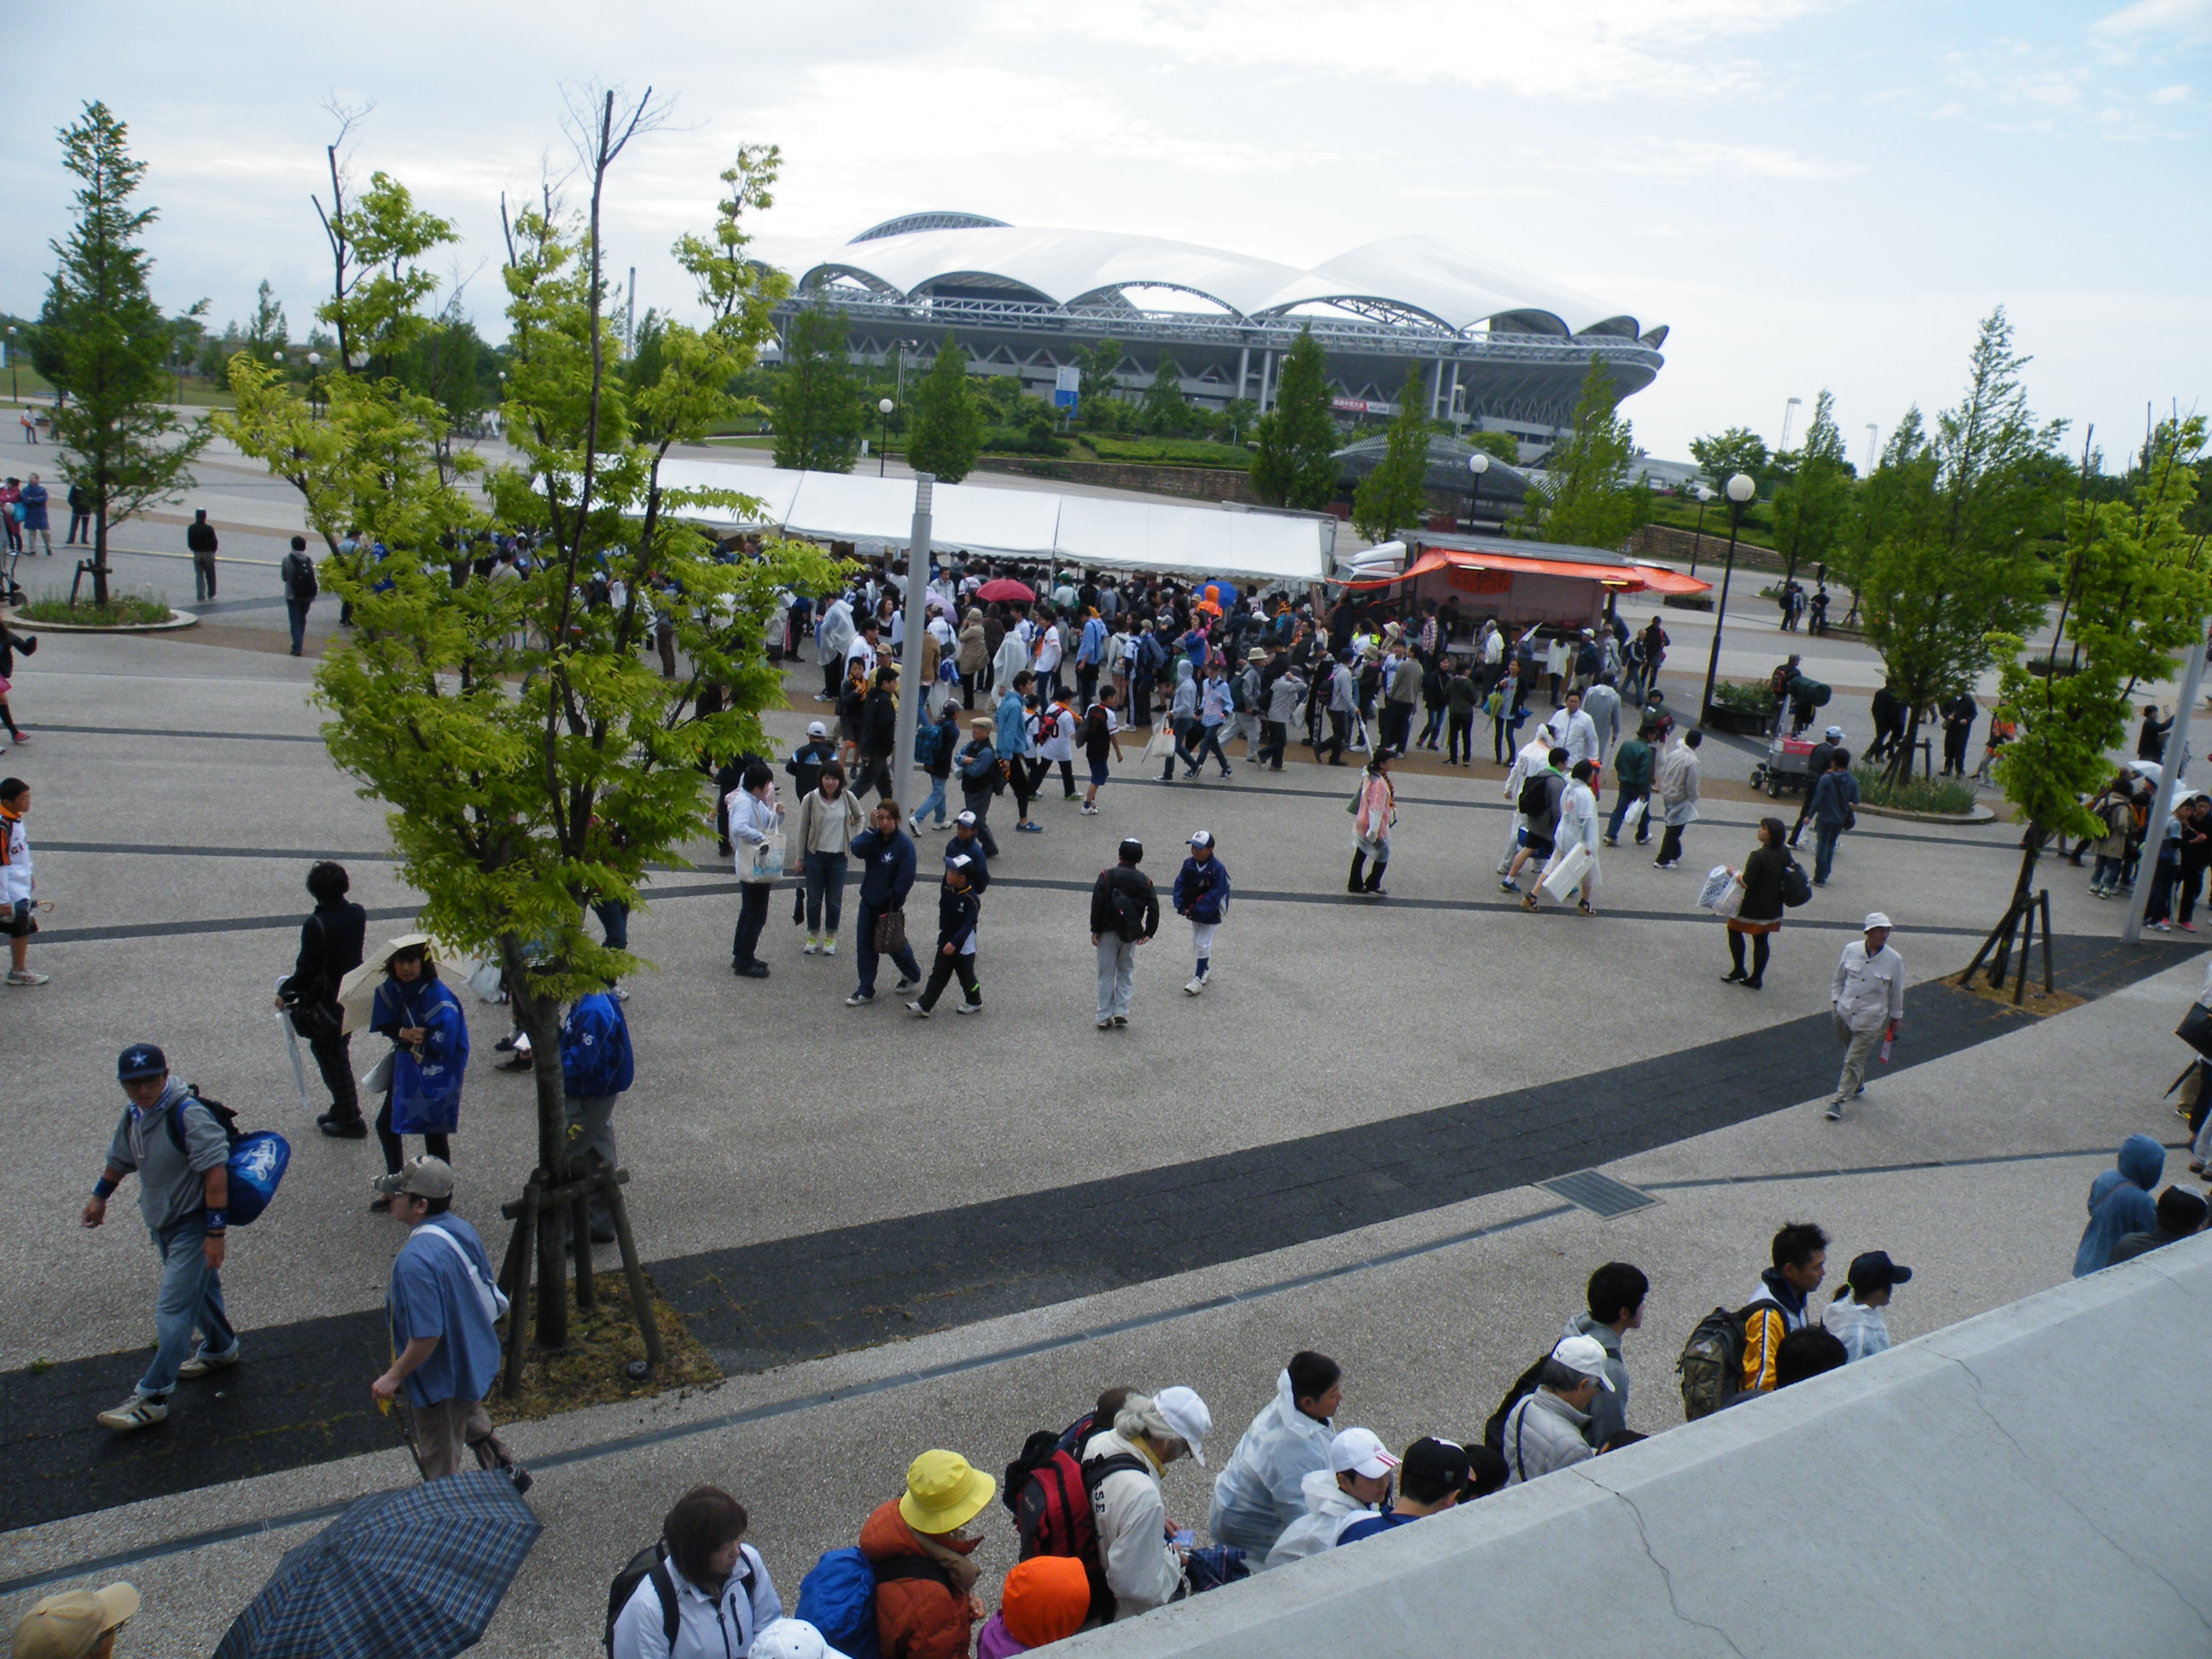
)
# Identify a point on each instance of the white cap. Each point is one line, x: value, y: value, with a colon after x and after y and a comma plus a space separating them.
x: 816, y: 729
x: 1833, y: 732
x: 1584, y: 1354
x: 1202, y: 838
x: 1188, y: 1416
x: 1361, y: 1452
x: 791, y: 1638
x: 1875, y: 919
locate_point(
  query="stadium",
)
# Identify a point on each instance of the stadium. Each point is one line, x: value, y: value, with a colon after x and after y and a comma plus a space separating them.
x: 1496, y: 349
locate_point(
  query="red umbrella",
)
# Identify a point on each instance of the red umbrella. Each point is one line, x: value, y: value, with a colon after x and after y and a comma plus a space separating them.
x: 1006, y: 587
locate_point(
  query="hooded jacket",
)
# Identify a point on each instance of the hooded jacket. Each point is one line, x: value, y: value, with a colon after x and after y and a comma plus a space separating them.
x: 1545, y: 1433
x: 595, y: 1051
x: 2124, y: 1205
x: 1259, y: 1490
x: 1608, y: 1413
x: 916, y: 1618
x: 1329, y: 1510
x: 1775, y: 1309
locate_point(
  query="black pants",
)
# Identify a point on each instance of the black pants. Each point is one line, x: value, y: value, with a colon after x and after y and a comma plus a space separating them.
x: 864, y: 945
x: 1272, y: 737
x: 752, y: 916
x: 395, y: 1153
x: 979, y: 803
x: 1340, y: 733
x: 875, y: 772
x: 1374, y: 881
x: 1397, y: 724
x: 1759, y: 951
x: 1017, y: 779
x: 1670, y: 844
x: 1039, y: 766
x: 942, y: 968
x: 1954, y: 751
x: 1459, y: 737
x: 333, y: 1060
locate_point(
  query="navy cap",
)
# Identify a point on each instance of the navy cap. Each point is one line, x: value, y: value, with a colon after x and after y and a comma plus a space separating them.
x: 140, y: 1059
x: 1874, y: 1271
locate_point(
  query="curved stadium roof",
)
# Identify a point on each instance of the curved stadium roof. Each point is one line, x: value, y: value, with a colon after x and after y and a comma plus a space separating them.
x: 1417, y: 281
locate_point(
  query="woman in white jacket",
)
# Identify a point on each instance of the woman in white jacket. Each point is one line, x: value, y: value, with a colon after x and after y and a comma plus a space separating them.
x: 1150, y: 1431
x: 1578, y: 828
x: 1259, y: 1491
x: 713, y: 1586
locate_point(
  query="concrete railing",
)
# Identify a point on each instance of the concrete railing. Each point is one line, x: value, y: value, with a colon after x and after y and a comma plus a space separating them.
x: 2024, y: 1483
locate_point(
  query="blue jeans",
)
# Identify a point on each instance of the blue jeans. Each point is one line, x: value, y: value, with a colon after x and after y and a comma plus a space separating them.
x: 1825, y: 837
x: 1209, y: 738
x: 298, y: 609
x: 2107, y: 872
x: 933, y: 802
x: 190, y: 1298
x: 825, y: 890
x: 614, y: 922
x: 1620, y: 806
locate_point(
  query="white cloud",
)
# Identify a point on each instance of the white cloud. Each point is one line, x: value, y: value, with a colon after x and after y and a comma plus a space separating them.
x: 1564, y: 49
x: 2172, y: 95
x: 2186, y: 19
x: 1682, y: 158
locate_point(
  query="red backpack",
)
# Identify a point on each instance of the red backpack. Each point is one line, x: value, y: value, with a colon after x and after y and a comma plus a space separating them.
x: 1053, y: 1513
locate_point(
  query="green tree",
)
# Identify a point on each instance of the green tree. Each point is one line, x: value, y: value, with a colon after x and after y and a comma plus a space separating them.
x: 1238, y: 416
x: 1098, y: 366
x: 1396, y: 492
x: 103, y: 342
x: 2135, y: 594
x: 267, y: 334
x: 1812, y: 505
x: 1944, y: 557
x: 1501, y: 445
x: 819, y: 416
x: 1584, y: 499
x: 1723, y: 455
x: 531, y: 761
x: 1292, y: 465
x: 1165, y: 412
x: 947, y: 431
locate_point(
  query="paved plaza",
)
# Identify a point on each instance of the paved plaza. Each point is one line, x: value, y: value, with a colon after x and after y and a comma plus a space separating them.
x: 891, y: 1234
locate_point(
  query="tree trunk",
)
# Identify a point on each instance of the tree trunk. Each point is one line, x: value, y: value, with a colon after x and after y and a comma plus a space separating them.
x: 99, y: 556
x: 1899, y: 769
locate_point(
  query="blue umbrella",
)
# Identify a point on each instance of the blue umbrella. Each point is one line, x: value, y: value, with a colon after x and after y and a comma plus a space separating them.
x: 406, y: 1575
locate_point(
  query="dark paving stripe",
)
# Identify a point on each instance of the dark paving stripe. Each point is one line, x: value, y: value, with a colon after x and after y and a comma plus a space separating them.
x: 302, y: 1396
x: 159, y: 731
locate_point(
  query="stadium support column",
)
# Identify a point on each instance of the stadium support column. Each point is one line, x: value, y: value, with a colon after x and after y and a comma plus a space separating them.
x: 1435, y: 388
x: 1266, y: 381
x: 1243, y: 369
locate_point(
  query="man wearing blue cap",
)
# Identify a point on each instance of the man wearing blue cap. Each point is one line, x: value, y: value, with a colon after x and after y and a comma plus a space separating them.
x: 180, y: 1153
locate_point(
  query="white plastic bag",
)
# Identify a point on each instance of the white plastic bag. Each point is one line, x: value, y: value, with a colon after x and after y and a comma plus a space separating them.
x: 1633, y: 817
x: 1719, y: 883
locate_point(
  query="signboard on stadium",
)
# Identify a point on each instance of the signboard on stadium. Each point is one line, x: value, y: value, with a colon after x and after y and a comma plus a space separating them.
x: 1362, y: 406
x: 1066, y: 384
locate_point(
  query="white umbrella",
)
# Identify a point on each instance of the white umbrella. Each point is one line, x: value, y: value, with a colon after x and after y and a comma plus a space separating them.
x: 357, y: 990
x: 2143, y: 769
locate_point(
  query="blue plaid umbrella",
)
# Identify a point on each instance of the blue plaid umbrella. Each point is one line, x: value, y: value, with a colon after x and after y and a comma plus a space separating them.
x: 406, y: 1575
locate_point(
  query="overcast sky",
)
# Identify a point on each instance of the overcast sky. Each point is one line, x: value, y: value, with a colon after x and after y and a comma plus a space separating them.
x: 1809, y: 192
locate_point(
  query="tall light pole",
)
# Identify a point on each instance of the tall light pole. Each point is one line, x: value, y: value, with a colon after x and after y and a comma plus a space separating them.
x: 1741, y: 490
x: 883, y: 406
x: 314, y: 382
x: 1873, y: 432
x: 1696, y: 545
x: 14, y: 395
x: 1477, y: 464
x: 912, y: 691
x: 1789, y: 414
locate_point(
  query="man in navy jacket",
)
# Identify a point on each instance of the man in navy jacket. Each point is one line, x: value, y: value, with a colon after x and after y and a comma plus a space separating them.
x: 886, y: 858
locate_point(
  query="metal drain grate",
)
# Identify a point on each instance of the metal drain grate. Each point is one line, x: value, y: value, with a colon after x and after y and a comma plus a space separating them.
x: 1600, y: 1194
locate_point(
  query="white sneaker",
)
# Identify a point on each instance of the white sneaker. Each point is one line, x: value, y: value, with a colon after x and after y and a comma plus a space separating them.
x: 917, y: 1010
x: 829, y: 946
x: 1195, y: 986
x: 25, y: 976
x: 812, y: 945
x: 1105, y: 1024
x: 1090, y: 811
x: 860, y: 1000
x: 135, y: 1413
x: 970, y: 1008
x: 202, y: 1362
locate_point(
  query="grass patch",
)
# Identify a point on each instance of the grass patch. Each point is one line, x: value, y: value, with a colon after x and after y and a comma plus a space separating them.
x: 122, y: 610
x: 602, y: 1340
x: 1173, y: 452
x: 1914, y: 794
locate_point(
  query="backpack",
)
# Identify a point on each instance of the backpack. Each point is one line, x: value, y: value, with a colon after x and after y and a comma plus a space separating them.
x: 1796, y: 889
x: 1493, y: 1432
x: 838, y: 1596
x: 926, y: 735
x: 1128, y: 910
x: 1712, y: 1364
x: 256, y: 1163
x: 1096, y: 730
x: 300, y: 573
x: 1534, y: 799
x: 651, y: 1562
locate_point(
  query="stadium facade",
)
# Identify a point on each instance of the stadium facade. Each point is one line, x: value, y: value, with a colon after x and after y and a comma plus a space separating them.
x: 1496, y: 349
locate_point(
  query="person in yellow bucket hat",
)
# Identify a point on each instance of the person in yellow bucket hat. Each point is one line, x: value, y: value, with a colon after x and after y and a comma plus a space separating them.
x: 919, y: 1543
x: 76, y: 1624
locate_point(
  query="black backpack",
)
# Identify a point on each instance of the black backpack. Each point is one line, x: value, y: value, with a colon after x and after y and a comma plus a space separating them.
x: 1493, y: 1432
x: 1534, y: 802
x: 1128, y: 908
x: 651, y: 1562
x: 299, y: 572
x: 1796, y: 886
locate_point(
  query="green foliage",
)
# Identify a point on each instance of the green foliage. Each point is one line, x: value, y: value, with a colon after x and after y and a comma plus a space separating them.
x: 1813, y: 504
x: 1165, y: 412
x: 819, y: 416
x: 1396, y: 493
x: 1914, y: 794
x: 1295, y: 440
x: 947, y: 432
x: 1723, y: 455
x: 119, y: 609
x: 1174, y: 452
x: 1744, y: 696
x: 1095, y: 402
x: 1238, y: 418
x: 1501, y: 445
x: 102, y: 340
x: 1583, y: 500
x: 268, y: 333
x: 2135, y: 593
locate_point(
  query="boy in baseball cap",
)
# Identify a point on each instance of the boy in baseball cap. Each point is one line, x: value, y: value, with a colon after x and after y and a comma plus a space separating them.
x: 1431, y: 1476
x: 1355, y: 1486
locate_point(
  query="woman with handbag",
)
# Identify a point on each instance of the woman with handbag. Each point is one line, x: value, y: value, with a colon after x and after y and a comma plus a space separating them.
x: 756, y: 833
x: 1374, y: 811
x: 330, y: 948
x: 827, y: 820
x: 1759, y: 912
x: 422, y: 1075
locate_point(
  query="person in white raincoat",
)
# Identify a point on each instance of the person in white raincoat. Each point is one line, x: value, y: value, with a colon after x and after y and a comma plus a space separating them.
x: 1356, y: 1484
x: 1578, y: 828
x: 1258, y: 1492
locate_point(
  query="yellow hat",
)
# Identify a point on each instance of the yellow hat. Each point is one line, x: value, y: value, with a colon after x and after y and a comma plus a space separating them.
x: 69, y: 1625
x: 943, y: 1493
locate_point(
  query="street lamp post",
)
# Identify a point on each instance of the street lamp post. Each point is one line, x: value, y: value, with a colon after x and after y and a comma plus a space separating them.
x: 1698, y: 543
x: 883, y: 407
x: 315, y: 380
x: 1741, y: 490
x: 14, y: 395
x: 1477, y: 464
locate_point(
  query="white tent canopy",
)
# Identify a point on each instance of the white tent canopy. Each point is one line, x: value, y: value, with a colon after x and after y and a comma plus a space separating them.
x: 1083, y: 529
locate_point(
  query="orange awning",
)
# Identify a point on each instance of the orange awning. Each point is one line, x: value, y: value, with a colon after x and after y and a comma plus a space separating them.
x: 1658, y: 580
